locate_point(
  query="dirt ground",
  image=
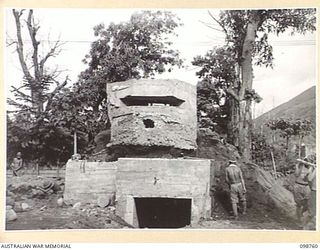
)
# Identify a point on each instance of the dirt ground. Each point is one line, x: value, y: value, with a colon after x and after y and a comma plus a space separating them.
x: 45, y: 213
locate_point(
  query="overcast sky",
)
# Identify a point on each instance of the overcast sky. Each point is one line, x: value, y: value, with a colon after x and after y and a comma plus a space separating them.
x: 294, y: 65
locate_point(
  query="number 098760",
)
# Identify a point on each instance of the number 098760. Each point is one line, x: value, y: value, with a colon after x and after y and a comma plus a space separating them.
x: 309, y: 246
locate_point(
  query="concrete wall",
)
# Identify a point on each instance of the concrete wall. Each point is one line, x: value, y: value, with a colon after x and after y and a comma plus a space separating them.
x: 85, y: 181
x: 175, y: 178
x: 174, y: 126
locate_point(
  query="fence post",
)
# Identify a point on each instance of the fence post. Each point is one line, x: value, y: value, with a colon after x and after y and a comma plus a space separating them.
x: 58, y: 169
x: 273, y: 164
x: 37, y: 168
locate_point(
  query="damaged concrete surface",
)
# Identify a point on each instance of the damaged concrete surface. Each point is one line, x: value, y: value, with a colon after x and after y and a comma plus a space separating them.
x: 153, y: 113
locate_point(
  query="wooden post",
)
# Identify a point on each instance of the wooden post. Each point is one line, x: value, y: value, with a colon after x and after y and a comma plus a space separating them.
x: 75, y: 143
x: 274, y: 164
x: 299, y: 153
x: 37, y: 168
x: 58, y: 169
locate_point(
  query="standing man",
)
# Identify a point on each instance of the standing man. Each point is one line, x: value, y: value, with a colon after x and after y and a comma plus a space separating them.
x: 301, y: 189
x: 16, y: 164
x: 237, y: 187
x: 313, y: 186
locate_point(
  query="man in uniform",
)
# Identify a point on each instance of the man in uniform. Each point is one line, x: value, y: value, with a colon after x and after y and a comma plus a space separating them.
x: 301, y: 189
x: 16, y: 164
x: 237, y: 187
x: 312, y: 184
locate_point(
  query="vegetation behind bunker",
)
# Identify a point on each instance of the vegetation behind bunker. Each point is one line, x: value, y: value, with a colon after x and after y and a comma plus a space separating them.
x: 50, y: 119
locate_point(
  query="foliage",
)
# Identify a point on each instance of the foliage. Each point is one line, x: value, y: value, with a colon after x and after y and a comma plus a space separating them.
x: 288, y: 127
x: 276, y: 21
x: 246, y: 33
x: 260, y: 148
x: 45, y: 121
x: 211, y: 108
x: 218, y: 75
x: 41, y: 141
x: 251, y: 94
x: 134, y: 49
x: 261, y: 154
x: 29, y: 127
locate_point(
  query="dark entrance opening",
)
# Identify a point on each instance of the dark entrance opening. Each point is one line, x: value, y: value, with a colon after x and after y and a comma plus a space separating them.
x: 163, y: 212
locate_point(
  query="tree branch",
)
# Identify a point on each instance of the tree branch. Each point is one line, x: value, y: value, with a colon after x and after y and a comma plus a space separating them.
x: 218, y: 22
x: 51, y: 95
x: 210, y: 26
x: 51, y: 53
x: 33, y: 29
x: 19, y: 105
x: 25, y: 97
x: 23, y: 63
x: 232, y: 93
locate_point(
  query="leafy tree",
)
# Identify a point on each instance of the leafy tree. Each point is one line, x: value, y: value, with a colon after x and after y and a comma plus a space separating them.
x: 211, y: 95
x: 134, y: 49
x: 69, y: 112
x: 139, y: 48
x: 289, y: 128
x: 247, y: 44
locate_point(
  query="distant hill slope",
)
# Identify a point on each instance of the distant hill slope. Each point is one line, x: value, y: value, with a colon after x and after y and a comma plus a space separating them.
x: 302, y: 106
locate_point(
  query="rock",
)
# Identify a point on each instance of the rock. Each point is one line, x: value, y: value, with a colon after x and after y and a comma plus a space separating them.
x: 104, y: 201
x: 17, y: 207
x: 38, y: 194
x: 9, y: 201
x: 92, y: 205
x: 11, y: 215
x: 274, y: 194
x: 60, y: 202
x: 11, y: 194
x: 25, y: 206
x: 76, y: 205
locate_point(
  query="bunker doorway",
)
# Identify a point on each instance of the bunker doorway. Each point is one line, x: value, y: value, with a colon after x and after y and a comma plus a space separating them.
x: 163, y: 212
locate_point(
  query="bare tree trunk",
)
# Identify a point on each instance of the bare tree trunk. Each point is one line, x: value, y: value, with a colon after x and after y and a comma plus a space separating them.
x: 245, y: 113
x: 233, y: 131
x: 75, y: 142
x: 36, y: 82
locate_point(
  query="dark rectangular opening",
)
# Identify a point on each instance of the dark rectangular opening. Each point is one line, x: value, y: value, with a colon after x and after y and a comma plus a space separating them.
x: 163, y: 212
x: 151, y: 101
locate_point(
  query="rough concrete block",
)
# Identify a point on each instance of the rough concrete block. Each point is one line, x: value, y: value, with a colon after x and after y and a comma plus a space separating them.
x: 151, y: 112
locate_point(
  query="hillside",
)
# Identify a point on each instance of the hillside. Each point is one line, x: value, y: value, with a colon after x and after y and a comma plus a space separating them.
x: 302, y: 106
